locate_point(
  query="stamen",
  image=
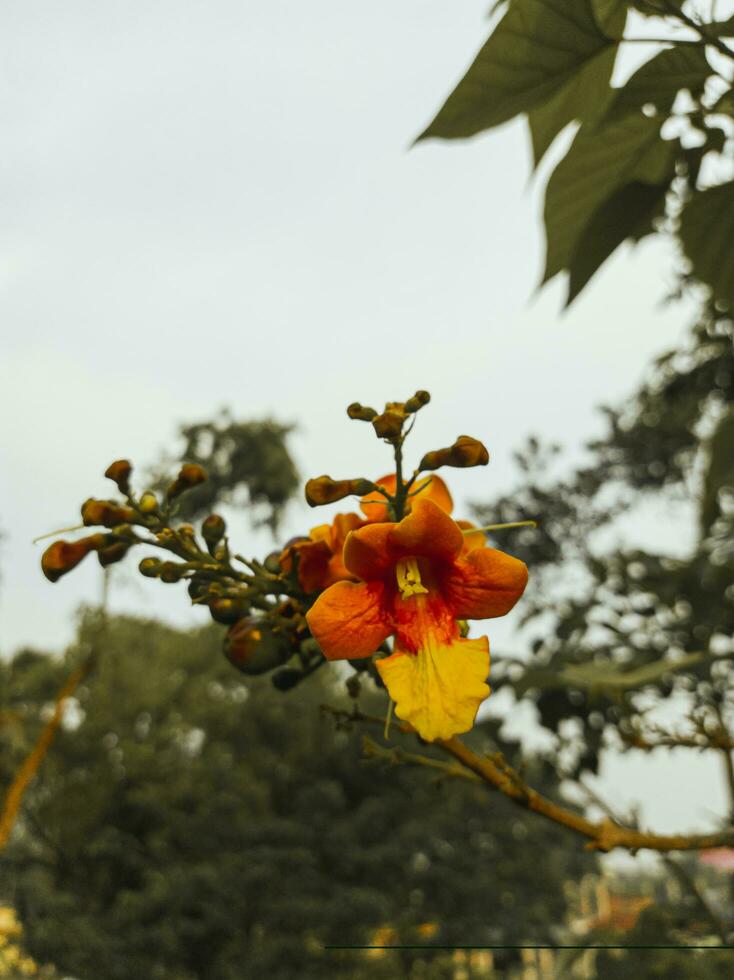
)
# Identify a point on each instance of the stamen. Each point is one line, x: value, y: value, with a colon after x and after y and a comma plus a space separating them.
x: 409, y: 578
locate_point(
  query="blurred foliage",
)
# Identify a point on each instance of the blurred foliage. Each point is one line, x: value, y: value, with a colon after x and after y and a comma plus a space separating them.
x: 616, y: 629
x: 192, y: 823
x: 644, y: 153
x: 248, y: 465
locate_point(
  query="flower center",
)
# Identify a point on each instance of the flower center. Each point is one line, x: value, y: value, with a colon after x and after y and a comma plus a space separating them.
x: 409, y: 578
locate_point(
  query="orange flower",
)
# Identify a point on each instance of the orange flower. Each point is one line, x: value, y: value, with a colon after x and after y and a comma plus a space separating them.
x: 417, y: 580
x: 431, y: 487
x: 320, y: 561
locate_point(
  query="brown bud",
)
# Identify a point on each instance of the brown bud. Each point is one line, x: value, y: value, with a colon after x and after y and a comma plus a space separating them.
x: 213, y: 530
x: 198, y: 588
x: 106, y: 512
x: 113, y: 552
x: 253, y: 648
x: 150, y: 567
x: 361, y: 412
x: 170, y: 571
x: 119, y: 472
x: 389, y: 425
x: 419, y: 399
x: 466, y: 451
x: 228, y: 611
x: 60, y: 557
x: 190, y: 475
x: 324, y: 490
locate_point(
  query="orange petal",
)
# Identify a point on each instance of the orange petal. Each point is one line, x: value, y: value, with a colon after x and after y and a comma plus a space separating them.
x: 347, y: 621
x: 322, y: 532
x: 427, y: 488
x: 438, y: 690
x: 433, y: 488
x: 313, y: 565
x: 367, y: 553
x: 485, y: 583
x: 428, y: 531
x: 340, y: 528
x: 374, y: 505
x: 475, y: 539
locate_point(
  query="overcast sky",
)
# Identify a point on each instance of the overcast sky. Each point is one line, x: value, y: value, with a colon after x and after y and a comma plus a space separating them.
x: 216, y: 203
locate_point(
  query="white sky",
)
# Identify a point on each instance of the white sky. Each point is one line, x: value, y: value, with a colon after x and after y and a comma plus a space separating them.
x: 215, y: 203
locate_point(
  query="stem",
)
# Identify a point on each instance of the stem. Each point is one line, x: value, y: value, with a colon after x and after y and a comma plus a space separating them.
x: 399, y: 502
x: 61, y: 530
x: 602, y: 836
x: 499, y: 527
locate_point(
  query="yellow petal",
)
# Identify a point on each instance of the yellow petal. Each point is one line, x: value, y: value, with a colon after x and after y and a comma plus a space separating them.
x: 438, y: 690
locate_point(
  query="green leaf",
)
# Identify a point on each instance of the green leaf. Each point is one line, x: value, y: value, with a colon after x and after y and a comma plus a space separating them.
x: 611, y: 16
x: 601, y: 679
x: 600, y: 160
x: 653, y: 9
x: 585, y: 97
x: 721, y: 28
x: 659, y: 80
x: 707, y: 234
x: 534, y: 51
x: 628, y: 213
x: 720, y: 470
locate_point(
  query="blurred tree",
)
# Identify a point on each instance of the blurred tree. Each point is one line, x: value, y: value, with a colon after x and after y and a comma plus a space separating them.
x: 248, y: 464
x: 190, y: 825
x: 624, y: 629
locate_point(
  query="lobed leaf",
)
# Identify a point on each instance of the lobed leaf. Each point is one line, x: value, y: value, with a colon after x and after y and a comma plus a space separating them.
x: 535, y: 50
x: 599, y: 162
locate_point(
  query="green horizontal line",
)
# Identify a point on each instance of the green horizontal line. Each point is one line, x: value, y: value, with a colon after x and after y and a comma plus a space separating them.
x: 540, y: 946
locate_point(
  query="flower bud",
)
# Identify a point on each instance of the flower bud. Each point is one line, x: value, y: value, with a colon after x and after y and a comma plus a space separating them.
x: 389, y: 425
x: 324, y: 490
x: 466, y: 451
x: 228, y: 611
x: 148, y: 503
x: 119, y: 472
x: 60, y: 557
x: 361, y: 412
x: 253, y: 648
x: 106, y: 513
x: 197, y: 588
x: 113, y: 552
x: 150, y: 567
x: 213, y: 529
x: 272, y: 563
x: 419, y: 399
x: 190, y: 475
x: 170, y: 571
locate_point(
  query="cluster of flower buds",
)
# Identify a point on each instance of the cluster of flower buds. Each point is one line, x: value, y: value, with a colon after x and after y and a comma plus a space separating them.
x: 390, y: 426
x: 263, y: 604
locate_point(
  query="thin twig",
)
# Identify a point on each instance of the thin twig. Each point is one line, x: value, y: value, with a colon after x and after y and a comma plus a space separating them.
x: 24, y: 775
x: 603, y: 836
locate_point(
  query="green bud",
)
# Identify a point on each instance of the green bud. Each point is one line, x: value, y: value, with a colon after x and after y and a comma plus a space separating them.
x: 213, y: 530
x: 148, y: 503
x: 150, y: 567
